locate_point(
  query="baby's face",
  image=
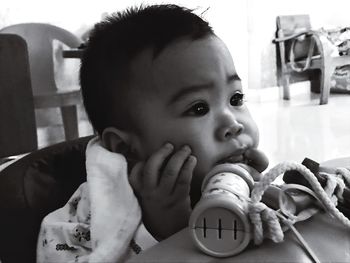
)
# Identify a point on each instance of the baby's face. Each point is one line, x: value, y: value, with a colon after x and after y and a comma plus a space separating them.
x: 190, y: 94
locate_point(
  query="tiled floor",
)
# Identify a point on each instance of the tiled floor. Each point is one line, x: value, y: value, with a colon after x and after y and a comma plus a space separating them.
x: 289, y: 130
x: 292, y: 130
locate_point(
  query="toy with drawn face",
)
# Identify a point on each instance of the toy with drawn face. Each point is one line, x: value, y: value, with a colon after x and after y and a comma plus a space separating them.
x: 219, y: 222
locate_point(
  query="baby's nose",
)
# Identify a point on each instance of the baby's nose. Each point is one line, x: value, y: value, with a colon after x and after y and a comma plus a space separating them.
x: 230, y: 130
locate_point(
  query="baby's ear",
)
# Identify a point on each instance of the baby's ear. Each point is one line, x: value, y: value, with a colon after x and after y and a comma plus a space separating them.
x: 116, y: 140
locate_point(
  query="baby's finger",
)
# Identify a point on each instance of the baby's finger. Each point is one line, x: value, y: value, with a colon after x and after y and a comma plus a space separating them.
x: 172, y: 169
x: 154, y: 164
x: 135, y: 177
x: 183, y: 183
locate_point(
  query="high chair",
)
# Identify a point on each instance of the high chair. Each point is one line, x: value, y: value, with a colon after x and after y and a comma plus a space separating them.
x: 32, y: 187
x: 302, y: 52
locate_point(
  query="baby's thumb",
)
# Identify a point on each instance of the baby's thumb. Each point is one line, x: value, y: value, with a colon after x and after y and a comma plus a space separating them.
x: 135, y: 177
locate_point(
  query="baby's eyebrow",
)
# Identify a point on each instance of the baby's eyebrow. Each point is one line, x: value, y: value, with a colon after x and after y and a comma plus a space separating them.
x: 185, y: 91
x: 233, y: 77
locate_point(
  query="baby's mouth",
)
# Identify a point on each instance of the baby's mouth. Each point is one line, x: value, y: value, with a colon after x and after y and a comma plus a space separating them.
x: 233, y: 159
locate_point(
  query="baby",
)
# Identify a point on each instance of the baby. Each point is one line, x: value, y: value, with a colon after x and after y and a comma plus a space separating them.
x: 163, y: 94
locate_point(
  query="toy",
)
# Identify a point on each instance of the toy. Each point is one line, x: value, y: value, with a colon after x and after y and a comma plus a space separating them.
x: 233, y: 211
x: 219, y: 222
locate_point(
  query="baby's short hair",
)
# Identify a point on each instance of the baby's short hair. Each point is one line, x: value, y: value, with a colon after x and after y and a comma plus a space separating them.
x: 112, y: 45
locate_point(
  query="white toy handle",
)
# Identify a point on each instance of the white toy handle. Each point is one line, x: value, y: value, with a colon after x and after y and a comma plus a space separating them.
x: 219, y: 223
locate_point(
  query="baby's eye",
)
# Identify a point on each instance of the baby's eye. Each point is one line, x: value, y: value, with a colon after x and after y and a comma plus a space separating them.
x: 198, y: 109
x: 237, y: 99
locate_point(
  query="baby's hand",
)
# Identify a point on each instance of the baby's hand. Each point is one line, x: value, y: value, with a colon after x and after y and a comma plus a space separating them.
x: 162, y: 185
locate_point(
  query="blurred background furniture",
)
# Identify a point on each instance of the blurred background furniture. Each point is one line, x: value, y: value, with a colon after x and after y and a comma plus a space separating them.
x: 73, y: 53
x: 47, y: 94
x: 18, y: 134
x: 303, y: 54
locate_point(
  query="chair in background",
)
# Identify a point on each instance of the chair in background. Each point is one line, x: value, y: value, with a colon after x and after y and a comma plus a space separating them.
x: 303, y: 54
x: 39, y: 38
x: 18, y: 132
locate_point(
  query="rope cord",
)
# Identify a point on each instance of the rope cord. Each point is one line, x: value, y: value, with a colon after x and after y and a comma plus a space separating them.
x: 308, y: 58
x: 299, y: 237
x: 304, y: 214
x: 259, y: 212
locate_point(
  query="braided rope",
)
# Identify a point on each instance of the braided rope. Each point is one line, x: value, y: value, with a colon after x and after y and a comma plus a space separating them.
x: 334, y: 187
x: 344, y: 174
x: 260, y: 213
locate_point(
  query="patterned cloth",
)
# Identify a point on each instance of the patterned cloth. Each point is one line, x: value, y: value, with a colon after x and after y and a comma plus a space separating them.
x: 101, y: 222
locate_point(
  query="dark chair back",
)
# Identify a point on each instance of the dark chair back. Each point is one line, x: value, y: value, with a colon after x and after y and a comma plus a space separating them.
x: 18, y: 133
x: 39, y: 38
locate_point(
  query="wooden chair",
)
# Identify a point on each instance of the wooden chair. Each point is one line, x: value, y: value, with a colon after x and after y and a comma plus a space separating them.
x: 18, y: 133
x: 39, y: 38
x: 301, y: 52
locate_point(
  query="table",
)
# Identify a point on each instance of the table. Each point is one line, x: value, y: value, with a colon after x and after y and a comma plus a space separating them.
x: 329, y: 240
x: 72, y: 53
